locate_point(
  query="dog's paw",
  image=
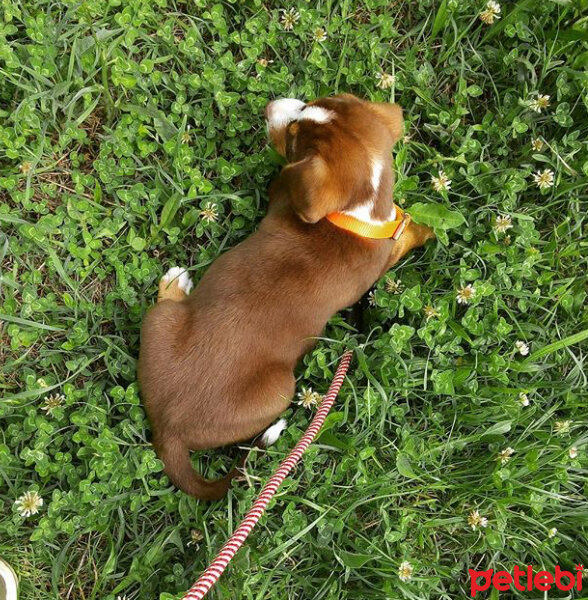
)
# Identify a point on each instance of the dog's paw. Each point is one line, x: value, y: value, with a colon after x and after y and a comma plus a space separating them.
x: 174, y: 285
x: 272, y: 433
x: 180, y: 275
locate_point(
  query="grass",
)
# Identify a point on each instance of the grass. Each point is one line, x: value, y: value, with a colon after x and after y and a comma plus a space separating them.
x: 124, y: 124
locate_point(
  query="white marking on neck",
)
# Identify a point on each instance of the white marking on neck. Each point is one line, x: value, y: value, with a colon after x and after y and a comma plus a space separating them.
x: 363, y: 212
x: 318, y: 114
x: 377, y: 168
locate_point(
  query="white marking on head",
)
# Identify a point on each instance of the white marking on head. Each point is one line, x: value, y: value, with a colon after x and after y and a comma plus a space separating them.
x: 181, y: 275
x: 317, y: 114
x: 272, y: 433
x: 284, y: 111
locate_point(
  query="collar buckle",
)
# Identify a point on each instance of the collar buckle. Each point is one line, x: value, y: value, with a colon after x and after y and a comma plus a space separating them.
x: 401, y: 226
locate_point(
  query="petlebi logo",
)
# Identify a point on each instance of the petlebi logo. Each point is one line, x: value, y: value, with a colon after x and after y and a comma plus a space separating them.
x: 525, y: 579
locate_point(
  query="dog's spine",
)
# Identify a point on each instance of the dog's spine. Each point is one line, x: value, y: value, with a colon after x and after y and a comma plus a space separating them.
x: 176, y: 459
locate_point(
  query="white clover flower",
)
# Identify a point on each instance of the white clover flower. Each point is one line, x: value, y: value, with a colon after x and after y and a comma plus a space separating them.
x: 386, y: 80
x: 552, y: 532
x: 319, y: 34
x: 476, y: 520
x: 308, y: 398
x: 544, y: 179
x: 521, y: 347
x: 540, y: 103
x: 196, y: 536
x: 441, y: 183
x: 372, y: 299
x: 52, y: 402
x: 430, y: 312
x: 28, y: 504
x: 394, y: 286
x: 405, y: 571
x: 490, y: 13
x: 524, y: 399
x: 264, y: 63
x: 289, y: 18
x: 562, y: 427
x: 573, y: 452
x: 502, y: 224
x: 504, y: 455
x: 537, y: 144
x: 466, y: 294
x: 209, y: 213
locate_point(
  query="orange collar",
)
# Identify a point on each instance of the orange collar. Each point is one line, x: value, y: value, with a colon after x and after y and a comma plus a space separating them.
x: 375, y: 231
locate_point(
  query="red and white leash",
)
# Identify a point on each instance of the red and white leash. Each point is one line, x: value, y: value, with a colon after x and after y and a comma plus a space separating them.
x: 219, y: 564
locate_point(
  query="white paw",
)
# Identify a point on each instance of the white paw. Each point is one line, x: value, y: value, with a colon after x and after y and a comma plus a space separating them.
x: 272, y: 433
x: 179, y: 273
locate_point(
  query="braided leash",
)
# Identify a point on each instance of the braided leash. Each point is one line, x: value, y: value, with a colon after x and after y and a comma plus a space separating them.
x: 219, y: 564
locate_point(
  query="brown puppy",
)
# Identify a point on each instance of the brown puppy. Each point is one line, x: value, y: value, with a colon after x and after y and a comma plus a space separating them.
x: 215, y: 366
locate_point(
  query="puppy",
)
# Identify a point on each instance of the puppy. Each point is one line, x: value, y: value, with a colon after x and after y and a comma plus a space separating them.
x: 215, y: 365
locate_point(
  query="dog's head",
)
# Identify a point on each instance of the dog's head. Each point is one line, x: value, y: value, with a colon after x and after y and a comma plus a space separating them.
x: 337, y: 148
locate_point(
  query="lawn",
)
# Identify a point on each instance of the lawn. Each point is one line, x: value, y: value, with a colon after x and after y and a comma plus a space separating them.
x: 132, y: 140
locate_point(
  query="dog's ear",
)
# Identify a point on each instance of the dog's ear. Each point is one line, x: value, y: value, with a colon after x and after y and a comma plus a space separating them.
x: 307, y: 184
x: 391, y: 114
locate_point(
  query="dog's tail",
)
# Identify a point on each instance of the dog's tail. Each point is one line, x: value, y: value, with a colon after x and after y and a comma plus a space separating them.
x: 176, y: 460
